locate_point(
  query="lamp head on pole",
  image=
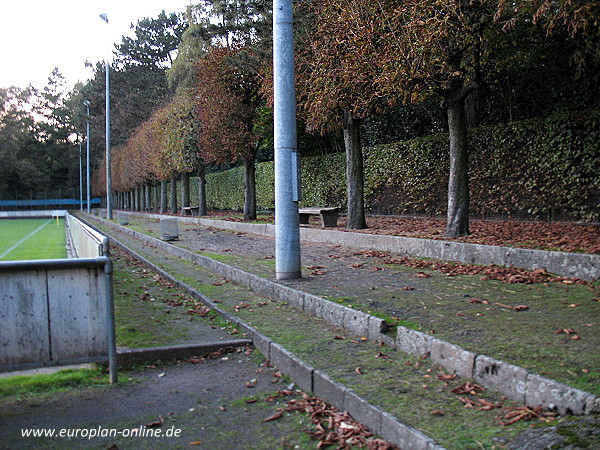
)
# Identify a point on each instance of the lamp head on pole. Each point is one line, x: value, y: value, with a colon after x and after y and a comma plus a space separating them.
x: 104, y: 17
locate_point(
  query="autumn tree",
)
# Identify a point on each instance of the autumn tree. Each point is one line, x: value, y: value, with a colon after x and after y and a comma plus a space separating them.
x: 437, y: 47
x: 440, y: 47
x: 337, y: 63
x: 181, y: 146
x: 227, y: 104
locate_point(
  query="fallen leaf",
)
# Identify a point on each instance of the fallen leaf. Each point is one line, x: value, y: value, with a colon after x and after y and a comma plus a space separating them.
x: 437, y: 412
x: 446, y: 377
x: 476, y: 300
x: 275, y: 416
x: 566, y: 331
x: 382, y: 356
x: 196, y: 443
x: 486, y: 405
x: 514, y: 308
x: 468, y: 402
x: 573, y: 305
x: 357, y: 370
x: 514, y: 415
x: 156, y: 423
x: 422, y: 275
x: 468, y: 388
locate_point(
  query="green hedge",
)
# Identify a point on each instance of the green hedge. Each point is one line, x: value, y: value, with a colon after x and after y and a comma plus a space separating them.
x: 541, y: 167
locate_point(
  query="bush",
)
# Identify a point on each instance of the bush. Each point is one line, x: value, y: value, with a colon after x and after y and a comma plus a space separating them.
x: 540, y: 168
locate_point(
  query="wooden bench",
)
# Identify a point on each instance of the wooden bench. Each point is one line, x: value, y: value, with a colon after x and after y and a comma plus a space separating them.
x: 328, y: 216
x: 191, y: 210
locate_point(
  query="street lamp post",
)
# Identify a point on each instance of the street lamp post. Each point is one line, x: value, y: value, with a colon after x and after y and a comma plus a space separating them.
x: 287, y: 181
x: 109, y: 214
x: 87, y: 155
x: 80, y: 180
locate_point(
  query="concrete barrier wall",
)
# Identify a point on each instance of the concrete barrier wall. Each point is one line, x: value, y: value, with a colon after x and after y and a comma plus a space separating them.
x: 55, y: 312
x: 85, y: 241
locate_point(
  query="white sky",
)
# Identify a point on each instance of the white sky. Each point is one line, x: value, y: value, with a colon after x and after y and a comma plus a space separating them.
x: 38, y: 35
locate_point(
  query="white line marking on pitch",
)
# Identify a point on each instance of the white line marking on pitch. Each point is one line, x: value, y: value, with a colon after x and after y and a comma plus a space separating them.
x: 24, y: 239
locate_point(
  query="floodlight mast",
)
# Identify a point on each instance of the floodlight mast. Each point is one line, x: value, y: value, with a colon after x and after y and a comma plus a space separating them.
x: 80, y: 178
x: 87, y: 153
x: 109, y: 214
x: 287, y: 181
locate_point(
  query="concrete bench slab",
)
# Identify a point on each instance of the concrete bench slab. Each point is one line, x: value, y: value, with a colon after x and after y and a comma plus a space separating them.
x: 328, y: 216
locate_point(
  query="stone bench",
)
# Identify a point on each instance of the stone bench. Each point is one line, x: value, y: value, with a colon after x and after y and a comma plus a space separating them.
x: 328, y: 216
x: 190, y: 211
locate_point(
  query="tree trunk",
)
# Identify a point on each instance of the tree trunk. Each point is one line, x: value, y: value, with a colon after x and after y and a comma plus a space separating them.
x: 473, y: 109
x: 173, y: 203
x: 136, y: 197
x: 249, y: 189
x: 185, y: 189
x: 142, y: 198
x: 202, y: 210
x: 148, y: 194
x: 163, y: 196
x: 458, y: 182
x: 156, y: 195
x: 355, y: 178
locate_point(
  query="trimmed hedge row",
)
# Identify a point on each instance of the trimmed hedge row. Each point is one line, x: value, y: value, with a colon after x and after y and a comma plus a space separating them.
x: 538, y: 167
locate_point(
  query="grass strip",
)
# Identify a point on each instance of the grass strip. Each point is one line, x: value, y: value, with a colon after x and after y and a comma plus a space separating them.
x: 21, y: 386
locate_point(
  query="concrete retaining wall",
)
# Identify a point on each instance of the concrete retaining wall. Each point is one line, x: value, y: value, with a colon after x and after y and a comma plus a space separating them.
x: 174, y: 352
x: 584, y: 266
x: 515, y: 382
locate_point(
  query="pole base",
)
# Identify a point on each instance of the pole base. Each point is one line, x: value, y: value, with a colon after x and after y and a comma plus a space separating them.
x: 288, y: 275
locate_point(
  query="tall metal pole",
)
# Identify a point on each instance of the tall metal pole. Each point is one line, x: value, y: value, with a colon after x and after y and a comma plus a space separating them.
x: 80, y: 180
x: 287, y: 183
x: 109, y: 214
x: 87, y: 155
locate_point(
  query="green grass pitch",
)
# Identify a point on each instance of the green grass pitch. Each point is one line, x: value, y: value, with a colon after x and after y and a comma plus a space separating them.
x: 28, y: 239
